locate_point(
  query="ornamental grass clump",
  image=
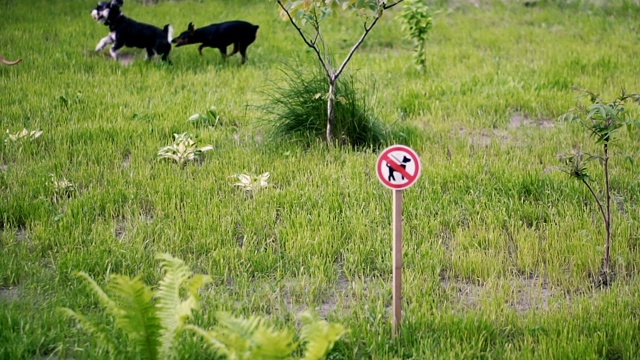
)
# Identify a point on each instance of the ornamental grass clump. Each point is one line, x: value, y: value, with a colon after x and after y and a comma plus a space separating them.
x: 297, y: 112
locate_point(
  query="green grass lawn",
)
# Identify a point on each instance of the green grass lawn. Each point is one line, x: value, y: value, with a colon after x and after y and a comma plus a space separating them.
x: 500, y: 248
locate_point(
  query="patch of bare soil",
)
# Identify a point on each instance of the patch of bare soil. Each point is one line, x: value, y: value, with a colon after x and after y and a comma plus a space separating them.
x: 123, y: 58
x: 126, y: 160
x: 331, y: 300
x: 526, y: 294
x: 120, y: 228
x: 519, y: 119
x: 126, y: 59
x: 8, y: 294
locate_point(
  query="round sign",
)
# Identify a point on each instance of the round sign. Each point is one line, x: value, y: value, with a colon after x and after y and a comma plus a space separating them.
x: 398, y: 167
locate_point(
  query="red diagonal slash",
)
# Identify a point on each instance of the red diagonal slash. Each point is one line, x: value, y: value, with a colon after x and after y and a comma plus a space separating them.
x: 398, y: 168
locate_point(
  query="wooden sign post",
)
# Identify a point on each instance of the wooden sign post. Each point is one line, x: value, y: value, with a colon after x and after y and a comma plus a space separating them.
x: 398, y: 167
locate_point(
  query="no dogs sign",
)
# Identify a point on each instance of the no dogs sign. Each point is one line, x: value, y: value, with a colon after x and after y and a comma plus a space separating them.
x: 398, y: 167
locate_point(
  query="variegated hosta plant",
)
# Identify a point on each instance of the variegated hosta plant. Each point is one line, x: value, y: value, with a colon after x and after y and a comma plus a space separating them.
x: 62, y: 188
x: 23, y: 135
x: 252, y: 184
x: 183, y: 149
x: 209, y: 118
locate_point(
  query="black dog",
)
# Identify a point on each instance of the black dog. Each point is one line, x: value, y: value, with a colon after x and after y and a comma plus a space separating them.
x: 100, y: 15
x: 239, y: 33
x: 128, y: 32
x: 403, y: 164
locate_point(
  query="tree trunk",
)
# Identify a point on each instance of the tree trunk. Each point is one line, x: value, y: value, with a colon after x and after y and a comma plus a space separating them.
x: 607, y: 220
x: 330, y: 112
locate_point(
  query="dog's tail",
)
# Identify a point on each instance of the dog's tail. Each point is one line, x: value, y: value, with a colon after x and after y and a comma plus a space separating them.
x: 168, y: 29
x: 7, y: 62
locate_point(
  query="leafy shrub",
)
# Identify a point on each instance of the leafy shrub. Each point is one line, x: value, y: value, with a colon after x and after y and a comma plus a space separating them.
x: 298, y: 111
x: 601, y: 120
x: 417, y: 22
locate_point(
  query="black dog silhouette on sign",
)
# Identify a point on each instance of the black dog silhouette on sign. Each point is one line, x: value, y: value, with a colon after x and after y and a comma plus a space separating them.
x: 403, y: 164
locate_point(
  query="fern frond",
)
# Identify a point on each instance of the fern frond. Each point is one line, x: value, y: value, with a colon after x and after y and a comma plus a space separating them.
x: 210, y: 339
x: 138, y: 318
x: 252, y: 338
x: 271, y: 343
x: 103, y: 298
x: 243, y: 327
x: 100, y: 333
x: 172, y: 311
x: 319, y: 336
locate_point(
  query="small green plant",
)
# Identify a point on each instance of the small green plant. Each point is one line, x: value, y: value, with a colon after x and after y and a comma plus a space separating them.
x: 601, y: 120
x: 24, y: 135
x: 312, y: 13
x: 148, y: 321
x: 253, y: 338
x: 62, y: 188
x: 252, y: 184
x: 417, y: 22
x: 210, y: 118
x: 183, y: 149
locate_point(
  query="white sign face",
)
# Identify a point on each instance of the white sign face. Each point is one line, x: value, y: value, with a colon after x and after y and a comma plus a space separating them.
x: 398, y: 167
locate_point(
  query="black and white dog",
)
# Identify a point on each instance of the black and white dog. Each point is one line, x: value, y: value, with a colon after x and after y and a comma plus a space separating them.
x: 124, y: 31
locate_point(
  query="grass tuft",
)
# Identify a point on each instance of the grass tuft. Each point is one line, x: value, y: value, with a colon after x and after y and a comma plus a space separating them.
x: 298, y: 111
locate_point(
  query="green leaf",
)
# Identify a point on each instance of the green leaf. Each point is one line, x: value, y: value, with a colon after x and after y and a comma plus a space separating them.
x: 100, y: 333
x: 138, y: 318
x: 173, y: 311
x: 319, y: 336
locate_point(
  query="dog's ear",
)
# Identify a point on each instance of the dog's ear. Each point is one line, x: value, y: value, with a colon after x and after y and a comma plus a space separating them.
x: 117, y: 2
x: 190, y: 27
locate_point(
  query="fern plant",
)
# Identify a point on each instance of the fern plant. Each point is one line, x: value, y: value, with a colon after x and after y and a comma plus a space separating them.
x: 253, y: 338
x: 319, y: 336
x: 149, y: 320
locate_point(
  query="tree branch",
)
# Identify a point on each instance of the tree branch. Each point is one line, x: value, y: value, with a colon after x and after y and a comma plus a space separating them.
x: 304, y: 38
x: 355, y: 47
x: 385, y: 7
x: 595, y: 197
